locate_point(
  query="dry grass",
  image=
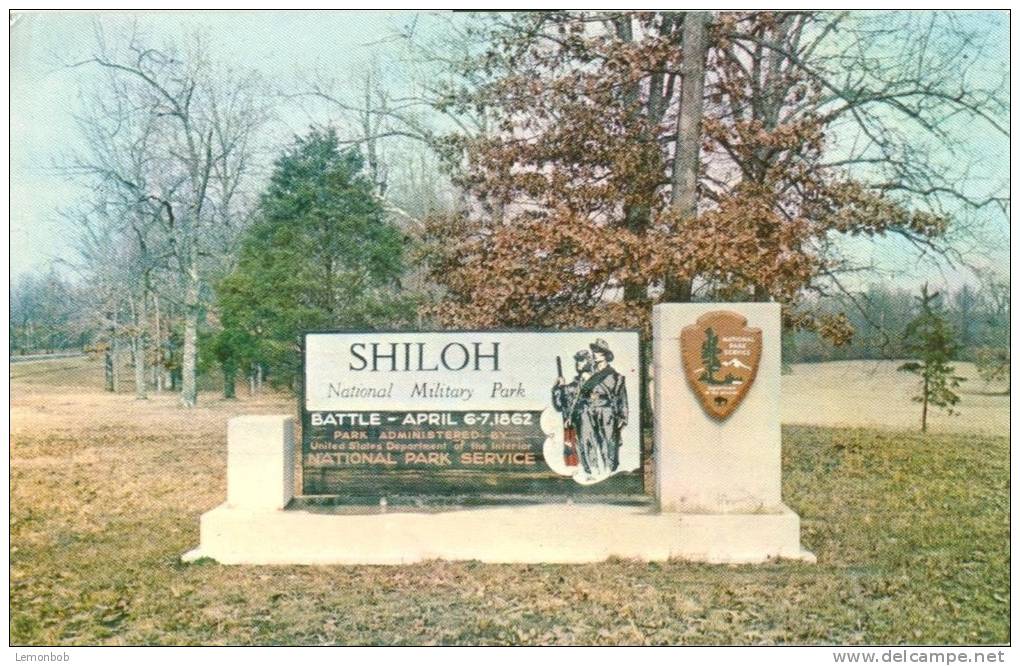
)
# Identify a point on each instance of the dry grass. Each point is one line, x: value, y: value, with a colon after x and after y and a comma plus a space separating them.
x: 873, y: 394
x: 911, y: 534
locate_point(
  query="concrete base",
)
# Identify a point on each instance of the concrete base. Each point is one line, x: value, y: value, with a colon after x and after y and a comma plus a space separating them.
x: 529, y: 534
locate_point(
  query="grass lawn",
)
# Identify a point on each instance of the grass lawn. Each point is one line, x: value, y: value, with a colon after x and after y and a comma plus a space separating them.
x: 911, y: 534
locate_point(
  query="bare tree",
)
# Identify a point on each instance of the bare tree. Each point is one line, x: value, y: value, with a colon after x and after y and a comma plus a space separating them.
x: 43, y: 313
x: 403, y: 123
x: 198, y: 124
x: 106, y: 276
x: 888, y: 94
x: 121, y: 242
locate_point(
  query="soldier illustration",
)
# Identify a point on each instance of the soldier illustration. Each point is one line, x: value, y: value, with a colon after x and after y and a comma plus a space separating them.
x: 564, y: 395
x: 599, y: 414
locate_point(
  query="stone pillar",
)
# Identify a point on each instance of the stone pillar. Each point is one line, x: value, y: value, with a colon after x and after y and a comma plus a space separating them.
x: 723, y: 476
x: 260, y: 462
x: 730, y: 466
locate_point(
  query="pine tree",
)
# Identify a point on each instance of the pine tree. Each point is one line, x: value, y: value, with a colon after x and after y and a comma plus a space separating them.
x: 710, y: 355
x: 321, y: 255
x: 929, y: 338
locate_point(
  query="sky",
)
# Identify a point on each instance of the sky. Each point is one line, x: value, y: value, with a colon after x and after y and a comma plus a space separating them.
x: 283, y: 46
x: 45, y: 92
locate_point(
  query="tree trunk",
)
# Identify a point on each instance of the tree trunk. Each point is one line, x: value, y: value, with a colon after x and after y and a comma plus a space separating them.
x: 636, y: 216
x: 108, y: 367
x: 189, y: 352
x: 139, y: 348
x: 229, y: 379
x: 686, y: 160
x: 924, y: 404
x: 111, y: 353
x: 158, y: 370
x: 138, y: 351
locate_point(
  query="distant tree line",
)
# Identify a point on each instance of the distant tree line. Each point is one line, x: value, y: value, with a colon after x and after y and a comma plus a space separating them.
x: 978, y: 317
x: 47, y: 315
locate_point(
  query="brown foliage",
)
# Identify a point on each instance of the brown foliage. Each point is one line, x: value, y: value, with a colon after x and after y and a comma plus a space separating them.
x: 573, y: 222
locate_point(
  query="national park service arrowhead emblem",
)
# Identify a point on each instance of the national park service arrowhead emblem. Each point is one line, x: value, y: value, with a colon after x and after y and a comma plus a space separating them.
x: 720, y: 358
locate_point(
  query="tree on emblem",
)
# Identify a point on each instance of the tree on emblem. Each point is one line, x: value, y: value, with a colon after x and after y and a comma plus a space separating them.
x: 710, y: 355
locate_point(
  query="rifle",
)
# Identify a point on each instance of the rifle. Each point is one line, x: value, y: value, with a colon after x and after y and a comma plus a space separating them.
x: 559, y: 367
